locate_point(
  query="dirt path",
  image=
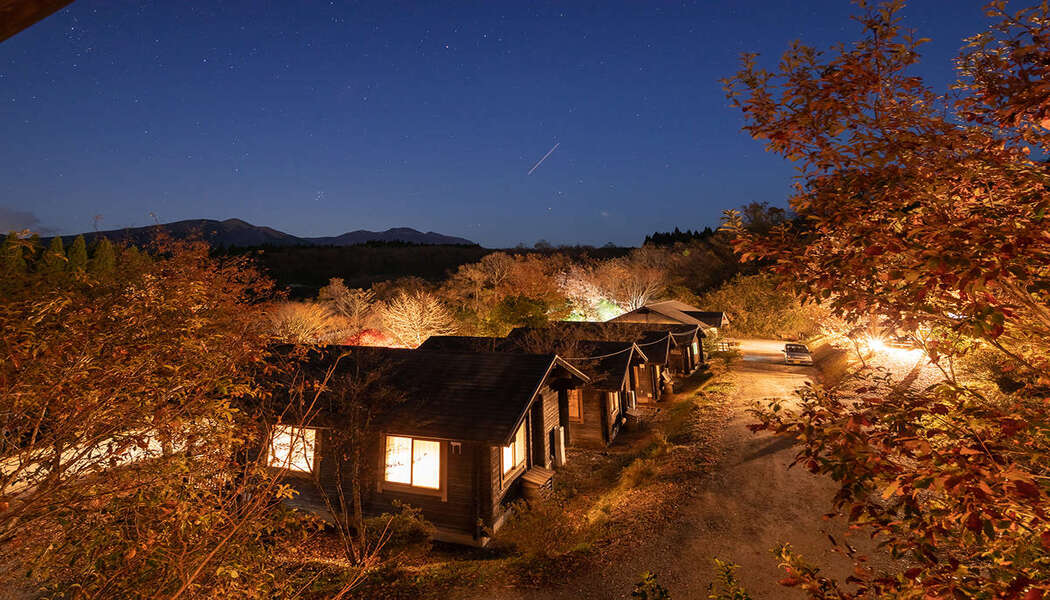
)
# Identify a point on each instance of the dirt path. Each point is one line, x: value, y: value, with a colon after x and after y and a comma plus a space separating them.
x: 747, y: 506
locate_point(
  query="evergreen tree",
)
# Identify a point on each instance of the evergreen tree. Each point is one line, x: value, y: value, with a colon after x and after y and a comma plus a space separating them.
x: 78, y: 258
x: 34, y: 248
x: 53, y: 263
x: 132, y: 260
x: 104, y: 259
x: 14, y: 261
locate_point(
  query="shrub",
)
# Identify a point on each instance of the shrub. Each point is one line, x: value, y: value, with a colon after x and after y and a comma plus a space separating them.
x: 726, y: 586
x: 540, y: 528
x: 648, y: 589
x: 404, y: 529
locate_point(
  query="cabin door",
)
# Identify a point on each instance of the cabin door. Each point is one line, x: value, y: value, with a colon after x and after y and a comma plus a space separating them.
x: 540, y: 455
x: 638, y: 382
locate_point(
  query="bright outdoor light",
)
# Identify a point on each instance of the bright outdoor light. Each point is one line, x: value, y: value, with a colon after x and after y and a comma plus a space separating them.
x: 879, y: 346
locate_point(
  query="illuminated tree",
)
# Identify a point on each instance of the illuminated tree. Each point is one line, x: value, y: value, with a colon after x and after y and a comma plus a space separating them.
x: 495, y: 268
x: 354, y: 305
x: 585, y: 295
x: 302, y: 323
x: 925, y: 211
x: 629, y: 282
x: 411, y: 318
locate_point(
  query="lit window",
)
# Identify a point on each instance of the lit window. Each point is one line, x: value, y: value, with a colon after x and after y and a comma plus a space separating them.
x: 514, y: 454
x: 413, y: 462
x: 576, y: 406
x: 426, y: 464
x: 293, y: 448
x: 696, y: 348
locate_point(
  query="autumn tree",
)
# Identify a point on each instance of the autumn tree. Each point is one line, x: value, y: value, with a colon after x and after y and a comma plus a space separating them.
x: 120, y: 444
x: 301, y: 322
x: 626, y: 283
x: 346, y: 392
x: 761, y: 308
x: 503, y: 291
x: 927, y: 211
x: 411, y: 318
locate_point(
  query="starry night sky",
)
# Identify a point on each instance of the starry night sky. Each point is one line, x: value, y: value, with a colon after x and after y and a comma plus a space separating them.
x: 320, y: 118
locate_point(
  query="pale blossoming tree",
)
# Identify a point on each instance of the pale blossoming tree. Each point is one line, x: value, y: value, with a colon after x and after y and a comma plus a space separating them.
x: 412, y: 318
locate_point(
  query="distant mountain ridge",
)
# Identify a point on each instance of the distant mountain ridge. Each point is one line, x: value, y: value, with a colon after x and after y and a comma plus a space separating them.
x: 235, y: 232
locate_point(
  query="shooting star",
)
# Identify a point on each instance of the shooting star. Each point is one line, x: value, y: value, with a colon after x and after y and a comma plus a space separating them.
x: 535, y: 166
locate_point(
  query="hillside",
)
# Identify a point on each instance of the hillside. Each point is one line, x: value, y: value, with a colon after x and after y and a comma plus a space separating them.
x: 238, y: 233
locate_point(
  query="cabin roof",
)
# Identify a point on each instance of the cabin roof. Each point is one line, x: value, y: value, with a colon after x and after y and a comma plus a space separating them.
x: 472, y: 396
x: 468, y: 343
x: 648, y: 337
x: 675, y: 312
x: 606, y: 362
x: 656, y: 345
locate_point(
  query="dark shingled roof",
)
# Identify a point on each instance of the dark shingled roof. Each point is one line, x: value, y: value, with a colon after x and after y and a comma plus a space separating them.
x: 606, y: 373
x: 468, y: 343
x: 643, y: 334
x: 656, y: 345
x: 606, y: 363
x: 473, y: 396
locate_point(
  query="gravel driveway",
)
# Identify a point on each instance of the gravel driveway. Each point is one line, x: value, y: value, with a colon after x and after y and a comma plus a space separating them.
x: 748, y: 505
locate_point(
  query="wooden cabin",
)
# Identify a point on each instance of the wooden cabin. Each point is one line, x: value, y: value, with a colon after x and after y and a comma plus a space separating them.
x: 687, y: 349
x: 458, y: 435
x: 679, y: 313
x: 653, y: 377
x: 598, y: 410
x: 595, y: 412
x: 673, y: 349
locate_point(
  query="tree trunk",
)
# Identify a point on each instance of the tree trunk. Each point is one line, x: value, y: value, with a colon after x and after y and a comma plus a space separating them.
x: 359, y: 518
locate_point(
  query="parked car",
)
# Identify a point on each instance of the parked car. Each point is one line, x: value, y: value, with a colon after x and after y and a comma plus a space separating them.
x: 797, y: 354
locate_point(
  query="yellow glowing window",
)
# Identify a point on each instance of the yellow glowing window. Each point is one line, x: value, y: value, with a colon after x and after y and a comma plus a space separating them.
x: 293, y: 448
x: 514, y: 454
x: 576, y: 406
x: 413, y: 462
x: 696, y: 348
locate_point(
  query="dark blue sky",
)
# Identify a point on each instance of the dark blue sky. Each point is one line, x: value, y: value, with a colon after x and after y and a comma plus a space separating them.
x: 319, y: 118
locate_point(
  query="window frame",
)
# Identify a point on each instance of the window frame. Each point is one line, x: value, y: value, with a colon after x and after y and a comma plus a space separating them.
x: 408, y: 488
x: 509, y: 475
x: 314, y: 457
